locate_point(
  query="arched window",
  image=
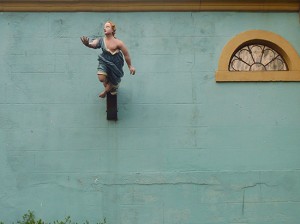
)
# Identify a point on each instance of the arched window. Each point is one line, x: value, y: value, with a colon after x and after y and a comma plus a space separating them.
x: 258, y: 56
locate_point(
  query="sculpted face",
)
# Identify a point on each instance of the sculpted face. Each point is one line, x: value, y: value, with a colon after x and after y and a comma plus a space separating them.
x: 109, y: 28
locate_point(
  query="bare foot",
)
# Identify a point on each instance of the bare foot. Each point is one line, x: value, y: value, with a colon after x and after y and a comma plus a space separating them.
x: 102, y: 94
x: 114, y: 91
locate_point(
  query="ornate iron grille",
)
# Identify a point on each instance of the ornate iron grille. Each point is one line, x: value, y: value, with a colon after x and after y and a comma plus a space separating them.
x: 257, y: 57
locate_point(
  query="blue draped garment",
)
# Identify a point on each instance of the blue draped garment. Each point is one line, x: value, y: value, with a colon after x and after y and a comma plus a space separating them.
x: 110, y: 63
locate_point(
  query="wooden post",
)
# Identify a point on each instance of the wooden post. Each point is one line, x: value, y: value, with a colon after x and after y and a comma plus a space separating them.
x: 111, y: 107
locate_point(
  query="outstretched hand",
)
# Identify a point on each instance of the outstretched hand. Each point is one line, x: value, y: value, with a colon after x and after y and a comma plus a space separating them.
x: 85, y: 40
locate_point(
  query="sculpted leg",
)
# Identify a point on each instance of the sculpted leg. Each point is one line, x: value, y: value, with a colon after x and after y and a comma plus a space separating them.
x: 107, y: 89
x: 102, y: 78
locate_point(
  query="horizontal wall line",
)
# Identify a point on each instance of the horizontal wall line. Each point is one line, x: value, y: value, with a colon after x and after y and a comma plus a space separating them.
x: 143, y: 6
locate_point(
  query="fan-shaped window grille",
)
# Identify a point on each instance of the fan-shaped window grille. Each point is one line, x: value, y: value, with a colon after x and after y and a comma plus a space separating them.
x: 257, y: 57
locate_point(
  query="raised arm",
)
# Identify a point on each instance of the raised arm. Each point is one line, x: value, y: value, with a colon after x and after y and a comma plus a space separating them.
x: 86, y: 42
x: 125, y: 52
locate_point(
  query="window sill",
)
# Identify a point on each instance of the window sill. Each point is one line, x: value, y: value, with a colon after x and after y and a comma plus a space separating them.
x: 258, y: 76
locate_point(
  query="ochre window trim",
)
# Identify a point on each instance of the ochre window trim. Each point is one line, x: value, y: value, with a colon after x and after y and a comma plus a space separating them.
x: 278, y: 43
x: 146, y: 5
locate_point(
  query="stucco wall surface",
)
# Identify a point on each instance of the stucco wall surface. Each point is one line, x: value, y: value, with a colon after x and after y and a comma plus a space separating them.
x: 185, y: 148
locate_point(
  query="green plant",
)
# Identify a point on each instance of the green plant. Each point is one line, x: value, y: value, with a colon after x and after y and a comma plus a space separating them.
x: 29, y: 218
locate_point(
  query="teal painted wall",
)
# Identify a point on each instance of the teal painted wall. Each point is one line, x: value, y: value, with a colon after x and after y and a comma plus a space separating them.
x: 185, y: 148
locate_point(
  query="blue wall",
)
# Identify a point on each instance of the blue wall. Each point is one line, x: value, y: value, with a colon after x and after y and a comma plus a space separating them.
x: 185, y: 148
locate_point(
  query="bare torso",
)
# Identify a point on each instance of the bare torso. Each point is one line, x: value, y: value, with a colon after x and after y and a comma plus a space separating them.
x: 112, y: 44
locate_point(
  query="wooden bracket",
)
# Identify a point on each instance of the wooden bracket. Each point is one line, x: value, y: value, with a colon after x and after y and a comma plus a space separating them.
x: 111, y: 107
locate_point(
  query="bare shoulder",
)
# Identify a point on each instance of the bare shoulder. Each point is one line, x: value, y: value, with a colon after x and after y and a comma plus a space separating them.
x: 119, y: 43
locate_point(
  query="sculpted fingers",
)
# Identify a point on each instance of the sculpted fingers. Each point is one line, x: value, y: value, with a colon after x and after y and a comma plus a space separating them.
x: 84, y: 40
x: 132, y: 70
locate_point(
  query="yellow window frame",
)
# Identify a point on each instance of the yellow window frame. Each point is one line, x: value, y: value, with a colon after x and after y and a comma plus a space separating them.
x: 278, y: 43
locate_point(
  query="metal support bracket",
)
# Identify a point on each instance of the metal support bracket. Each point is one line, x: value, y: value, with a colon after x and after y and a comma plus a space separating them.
x: 111, y: 107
